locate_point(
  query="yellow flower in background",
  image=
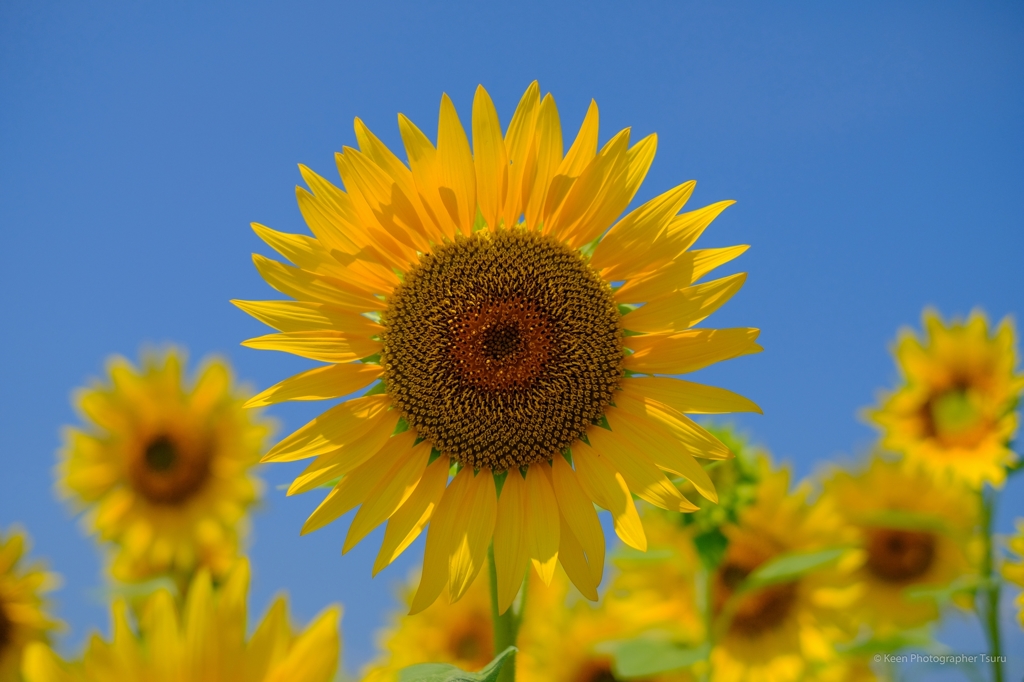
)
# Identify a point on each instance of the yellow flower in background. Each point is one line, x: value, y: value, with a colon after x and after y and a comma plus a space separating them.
x: 1014, y: 571
x: 164, y: 466
x: 23, y: 618
x: 565, y: 639
x: 204, y: 641
x: 476, y: 286
x: 954, y: 413
x: 913, y: 533
x: 787, y: 630
x: 658, y: 590
x: 460, y: 634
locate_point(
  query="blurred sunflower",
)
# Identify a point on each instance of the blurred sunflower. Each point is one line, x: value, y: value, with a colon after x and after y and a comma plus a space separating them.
x: 658, y: 590
x: 477, y: 287
x: 913, y: 533
x: 23, y: 619
x: 786, y: 630
x: 1014, y: 571
x: 203, y: 642
x: 564, y: 639
x: 460, y: 634
x: 164, y: 467
x: 954, y: 413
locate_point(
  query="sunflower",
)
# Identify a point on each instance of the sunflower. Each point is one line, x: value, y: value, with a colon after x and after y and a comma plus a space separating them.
x: 460, y: 635
x: 496, y: 303
x: 565, y: 639
x: 1014, y: 571
x: 203, y: 642
x: 23, y: 619
x: 913, y: 533
x: 954, y: 413
x: 784, y: 631
x: 164, y: 467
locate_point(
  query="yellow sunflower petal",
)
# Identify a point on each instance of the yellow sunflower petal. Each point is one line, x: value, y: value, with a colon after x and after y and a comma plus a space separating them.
x: 637, y: 230
x: 320, y: 383
x: 548, y: 156
x: 314, y: 654
x: 666, y: 451
x: 408, y: 521
x: 608, y: 488
x: 579, y: 156
x: 706, y: 260
x: 688, y: 397
x: 574, y: 561
x: 424, y: 164
x: 684, y: 308
x: 456, y: 174
x: 517, y: 142
x: 469, y: 544
x: 353, y: 489
x: 511, y: 552
x: 490, y: 159
x: 390, y: 493
x: 364, y: 443
x: 324, y: 346
x: 331, y: 430
x: 578, y: 511
x: 376, y: 150
x: 688, y: 351
x: 306, y: 286
x: 447, y: 527
x: 579, y: 211
x: 542, y: 523
x: 297, y: 316
x: 641, y: 474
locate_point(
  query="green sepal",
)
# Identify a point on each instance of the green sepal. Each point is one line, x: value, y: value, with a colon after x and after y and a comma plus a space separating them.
x: 371, y: 359
x: 376, y: 389
x: 442, y: 672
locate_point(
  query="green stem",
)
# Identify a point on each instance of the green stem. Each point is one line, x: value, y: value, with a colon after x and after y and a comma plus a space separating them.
x: 506, y: 625
x: 990, y: 585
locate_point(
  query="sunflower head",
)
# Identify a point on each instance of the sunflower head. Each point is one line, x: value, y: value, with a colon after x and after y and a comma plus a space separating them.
x: 163, y: 465
x: 202, y: 639
x: 23, y: 617
x: 459, y: 635
x: 566, y: 639
x: 780, y: 631
x: 913, y: 532
x: 516, y: 326
x: 954, y: 412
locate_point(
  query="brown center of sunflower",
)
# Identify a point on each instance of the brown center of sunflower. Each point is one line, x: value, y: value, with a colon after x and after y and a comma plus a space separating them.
x: 755, y: 613
x: 471, y: 642
x: 502, y: 348
x: 899, y: 556
x: 596, y: 670
x: 6, y: 630
x: 168, y: 472
x: 954, y: 418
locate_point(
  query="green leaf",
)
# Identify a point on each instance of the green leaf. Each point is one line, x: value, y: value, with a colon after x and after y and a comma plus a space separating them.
x: 945, y: 593
x: 442, y: 672
x: 788, y: 567
x: 645, y: 657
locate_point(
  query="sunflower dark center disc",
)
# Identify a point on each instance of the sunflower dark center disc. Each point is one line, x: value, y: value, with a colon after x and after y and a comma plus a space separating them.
x: 899, y: 555
x: 167, y: 473
x: 502, y: 348
x: 6, y: 630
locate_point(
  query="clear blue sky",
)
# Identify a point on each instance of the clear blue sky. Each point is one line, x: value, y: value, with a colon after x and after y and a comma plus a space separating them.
x: 875, y: 151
